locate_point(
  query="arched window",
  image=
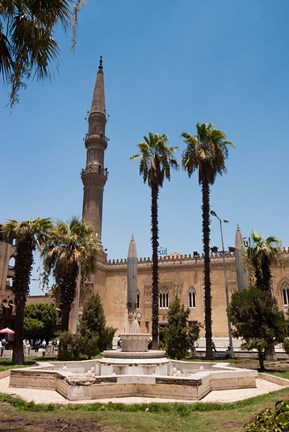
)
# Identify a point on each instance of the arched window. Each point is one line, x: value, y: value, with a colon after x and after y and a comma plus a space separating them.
x: 164, y: 298
x: 137, y: 300
x: 11, y: 263
x: 192, y: 298
x: 285, y: 293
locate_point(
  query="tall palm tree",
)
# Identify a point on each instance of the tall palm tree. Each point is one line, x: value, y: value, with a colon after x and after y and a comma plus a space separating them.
x: 27, y: 45
x: 71, y: 246
x: 29, y: 235
x: 261, y: 255
x: 207, y: 151
x: 156, y: 161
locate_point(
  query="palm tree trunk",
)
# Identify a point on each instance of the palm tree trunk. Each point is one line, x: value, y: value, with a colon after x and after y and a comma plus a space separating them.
x: 18, y: 354
x: 155, y: 267
x: 20, y: 287
x: 266, y: 275
x: 67, y: 283
x: 65, y: 319
x: 207, y: 268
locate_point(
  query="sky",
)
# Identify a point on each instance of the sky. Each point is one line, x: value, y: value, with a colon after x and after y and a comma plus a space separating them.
x: 168, y: 64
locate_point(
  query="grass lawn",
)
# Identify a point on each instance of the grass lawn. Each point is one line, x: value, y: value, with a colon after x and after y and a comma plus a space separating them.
x: 21, y: 416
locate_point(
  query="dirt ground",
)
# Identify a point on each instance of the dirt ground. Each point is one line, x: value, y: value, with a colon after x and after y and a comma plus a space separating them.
x: 10, y: 421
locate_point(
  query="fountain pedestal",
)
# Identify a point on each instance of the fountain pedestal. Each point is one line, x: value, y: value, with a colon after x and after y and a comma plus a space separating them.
x: 137, y: 342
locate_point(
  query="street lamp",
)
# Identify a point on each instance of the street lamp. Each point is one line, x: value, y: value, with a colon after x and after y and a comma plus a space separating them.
x: 213, y: 213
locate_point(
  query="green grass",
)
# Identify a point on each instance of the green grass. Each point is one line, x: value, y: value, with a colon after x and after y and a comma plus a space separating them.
x: 6, y: 364
x: 282, y: 374
x: 175, y: 417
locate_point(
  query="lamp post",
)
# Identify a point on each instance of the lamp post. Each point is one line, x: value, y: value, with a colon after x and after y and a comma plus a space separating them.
x: 213, y: 213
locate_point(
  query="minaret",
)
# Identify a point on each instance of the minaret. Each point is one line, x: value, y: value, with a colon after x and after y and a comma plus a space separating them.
x: 94, y: 175
x: 131, y: 276
x: 240, y: 253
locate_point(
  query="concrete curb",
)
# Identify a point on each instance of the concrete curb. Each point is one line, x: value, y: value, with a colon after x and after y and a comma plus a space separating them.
x: 5, y: 374
x: 274, y: 379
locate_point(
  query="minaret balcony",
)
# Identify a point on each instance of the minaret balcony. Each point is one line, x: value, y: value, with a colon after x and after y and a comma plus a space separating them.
x: 94, y: 168
x: 97, y: 141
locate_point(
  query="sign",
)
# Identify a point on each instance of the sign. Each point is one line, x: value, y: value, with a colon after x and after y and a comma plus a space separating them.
x: 162, y: 251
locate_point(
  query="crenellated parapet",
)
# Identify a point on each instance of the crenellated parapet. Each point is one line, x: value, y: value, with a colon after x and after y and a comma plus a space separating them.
x: 174, y: 258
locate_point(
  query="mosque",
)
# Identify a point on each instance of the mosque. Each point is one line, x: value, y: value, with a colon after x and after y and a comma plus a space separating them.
x: 179, y: 275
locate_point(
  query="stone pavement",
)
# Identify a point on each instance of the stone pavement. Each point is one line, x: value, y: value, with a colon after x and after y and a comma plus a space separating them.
x: 50, y: 396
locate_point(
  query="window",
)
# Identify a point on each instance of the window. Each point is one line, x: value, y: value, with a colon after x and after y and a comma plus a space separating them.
x: 285, y: 293
x: 9, y: 282
x: 137, y: 300
x: 11, y: 263
x: 164, y: 298
x: 192, y: 298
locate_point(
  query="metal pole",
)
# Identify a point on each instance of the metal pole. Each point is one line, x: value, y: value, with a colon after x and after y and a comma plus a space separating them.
x: 232, y: 354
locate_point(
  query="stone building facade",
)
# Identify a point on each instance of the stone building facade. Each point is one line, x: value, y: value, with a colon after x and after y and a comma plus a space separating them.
x: 179, y: 275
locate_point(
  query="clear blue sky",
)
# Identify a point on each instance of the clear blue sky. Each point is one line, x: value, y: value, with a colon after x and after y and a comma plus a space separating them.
x: 168, y: 64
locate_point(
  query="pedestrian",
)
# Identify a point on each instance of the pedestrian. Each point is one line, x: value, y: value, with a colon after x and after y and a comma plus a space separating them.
x: 119, y: 342
x: 214, y: 346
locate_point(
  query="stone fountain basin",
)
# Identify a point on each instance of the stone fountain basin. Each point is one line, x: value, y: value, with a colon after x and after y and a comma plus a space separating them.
x: 113, y: 377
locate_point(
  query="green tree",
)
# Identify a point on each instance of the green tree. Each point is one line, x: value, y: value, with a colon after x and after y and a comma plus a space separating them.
x: 71, y: 246
x: 33, y: 328
x: 180, y: 335
x: 29, y: 235
x: 27, y: 44
x: 261, y: 255
x: 206, y: 152
x: 92, y: 327
x: 257, y: 320
x: 156, y: 161
x: 40, y: 321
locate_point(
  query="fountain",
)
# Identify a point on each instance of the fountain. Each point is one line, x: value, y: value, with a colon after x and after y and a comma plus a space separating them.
x: 134, y: 343
x: 134, y: 370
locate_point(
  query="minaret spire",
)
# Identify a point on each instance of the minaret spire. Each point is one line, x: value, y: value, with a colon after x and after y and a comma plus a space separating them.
x: 94, y: 175
x: 100, y: 63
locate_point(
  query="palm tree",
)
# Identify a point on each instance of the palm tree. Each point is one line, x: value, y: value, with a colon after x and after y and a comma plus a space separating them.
x: 207, y: 152
x: 27, y: 45
x: 72, y: 246
x: 261, y: 255
x: 29, y: 235
x: 156, y: 161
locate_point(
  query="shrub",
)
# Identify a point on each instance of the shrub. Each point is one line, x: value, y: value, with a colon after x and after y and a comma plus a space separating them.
x: 276, y: 420
x: 70, y: 346
x: 93, y: 325
x: 179, y: 335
